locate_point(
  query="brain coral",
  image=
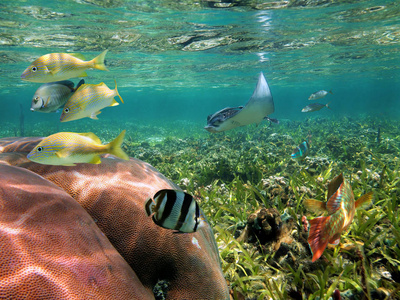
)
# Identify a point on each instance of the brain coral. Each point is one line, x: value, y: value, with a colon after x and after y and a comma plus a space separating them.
x: 114, y: 193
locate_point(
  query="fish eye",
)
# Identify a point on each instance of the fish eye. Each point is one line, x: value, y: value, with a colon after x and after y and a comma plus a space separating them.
x: 39, y: 149
x: 36, y: 100
x: 34, y: 69
x: 66, y: 110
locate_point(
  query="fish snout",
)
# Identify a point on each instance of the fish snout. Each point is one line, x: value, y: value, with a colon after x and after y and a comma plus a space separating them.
x: 211, y: 128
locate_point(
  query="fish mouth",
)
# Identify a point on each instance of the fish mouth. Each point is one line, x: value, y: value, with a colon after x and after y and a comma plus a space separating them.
x: 210, y: 128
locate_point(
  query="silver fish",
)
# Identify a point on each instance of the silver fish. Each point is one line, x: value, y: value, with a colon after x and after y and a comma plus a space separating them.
x: 49, y: 97
x: 314, y: 107
x: 257, y: 108
x: 318, y: 95
x: 177, y: 210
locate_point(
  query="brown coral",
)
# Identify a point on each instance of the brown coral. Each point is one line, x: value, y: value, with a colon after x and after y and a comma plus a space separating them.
x: 113, y: 193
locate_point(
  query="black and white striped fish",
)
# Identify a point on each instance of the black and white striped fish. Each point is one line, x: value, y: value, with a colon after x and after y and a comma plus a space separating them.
x: 176, y: 210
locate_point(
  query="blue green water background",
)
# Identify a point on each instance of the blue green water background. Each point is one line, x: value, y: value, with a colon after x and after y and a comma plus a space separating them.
x: 183, y: 60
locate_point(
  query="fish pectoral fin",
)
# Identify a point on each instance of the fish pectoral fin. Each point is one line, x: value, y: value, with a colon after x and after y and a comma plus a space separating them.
x: 94, y: 115
x: 364, y: 200
x: 315, y: 205
x: 114, y: 103
x: 47, y: 102
x: 61, y: 154
x: 55, y: 70
x: 95, y: 160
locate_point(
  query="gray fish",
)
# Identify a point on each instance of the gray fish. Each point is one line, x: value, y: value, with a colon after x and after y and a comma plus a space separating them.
x: 177, y: 210
x: 314, y: 107
x: 257, y: 108
x: 318, y: 95
x: 53, y: 95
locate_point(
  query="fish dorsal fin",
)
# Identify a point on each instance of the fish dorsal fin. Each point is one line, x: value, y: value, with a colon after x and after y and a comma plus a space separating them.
x: 77, y: 55
x: 92, y: 136
x: 364, y: 199
x: 67, y: 83
x: 334, y: 185
x: 343, y: 193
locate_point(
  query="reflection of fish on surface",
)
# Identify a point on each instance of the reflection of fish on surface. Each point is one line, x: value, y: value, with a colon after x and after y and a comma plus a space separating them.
x: 314, y: 107
x: 49, y: 97
x: 176, y: 210
x: 69, y: 148
x: 341, y: 209
x: 301, y: 151
x: 318, y: 95
x: 257, y: 108
x: 61, y: 66
x: 88, y: 101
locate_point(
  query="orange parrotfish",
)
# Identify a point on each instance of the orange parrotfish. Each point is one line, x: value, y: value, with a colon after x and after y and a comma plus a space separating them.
x: 61, y: 66
x: 341, y: 208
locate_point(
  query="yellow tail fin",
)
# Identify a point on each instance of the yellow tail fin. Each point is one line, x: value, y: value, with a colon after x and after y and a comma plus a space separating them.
x: 115, y: 146
x: 98, y: 61
x: 117, y: 91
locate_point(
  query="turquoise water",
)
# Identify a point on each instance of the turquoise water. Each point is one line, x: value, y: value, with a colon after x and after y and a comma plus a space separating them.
x: 185, y: 60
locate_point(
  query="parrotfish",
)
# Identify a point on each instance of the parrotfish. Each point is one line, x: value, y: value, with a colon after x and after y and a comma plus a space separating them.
x: 257, y: 109
x: 88, y: 101
x: 341, y: 209
x: 314, y: 107
x: 175, y: 210
x: 318, y: 95
x: 301, y: 151
x: 69, y: 148
x: 61, y: 66
x: 49, y: 97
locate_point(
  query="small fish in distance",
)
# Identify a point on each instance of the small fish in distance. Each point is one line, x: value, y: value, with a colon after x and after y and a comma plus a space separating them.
x: 176, y: 210
x: 301, y: 151
x: 314, y: 107
x: 318, y: 95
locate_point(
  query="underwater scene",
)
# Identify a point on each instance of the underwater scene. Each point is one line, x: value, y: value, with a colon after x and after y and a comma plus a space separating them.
x: 220, y: 149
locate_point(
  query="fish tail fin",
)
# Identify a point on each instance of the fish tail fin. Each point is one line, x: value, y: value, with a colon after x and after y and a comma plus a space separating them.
x: 364, y: 199
x: 115, y: 146
x: 98, y: 61
x: 117, y: 91
x: 330, y: 92
x: 149, y: 204
x: 316, y: 238
x: 327, y: 105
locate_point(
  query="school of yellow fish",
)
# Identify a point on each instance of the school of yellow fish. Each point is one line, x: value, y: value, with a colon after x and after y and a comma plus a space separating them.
x: 86, y: 100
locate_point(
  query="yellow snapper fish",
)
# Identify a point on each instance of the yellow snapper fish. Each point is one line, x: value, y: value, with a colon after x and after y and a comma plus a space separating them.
x: 341, y: 208
x: 69, y: 148
x: 61, y: 66
x: 88, y: 100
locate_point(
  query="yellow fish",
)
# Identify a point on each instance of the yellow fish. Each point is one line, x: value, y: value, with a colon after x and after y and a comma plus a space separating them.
x: 61, y: 66
x: 88, y: 100
x: 69, y: 148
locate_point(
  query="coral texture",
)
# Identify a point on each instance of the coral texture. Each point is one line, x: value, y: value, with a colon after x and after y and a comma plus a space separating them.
x: 114, y: 193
